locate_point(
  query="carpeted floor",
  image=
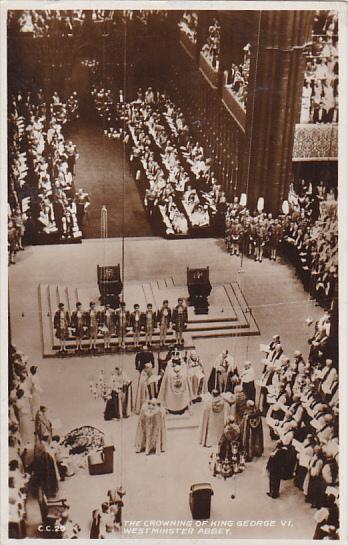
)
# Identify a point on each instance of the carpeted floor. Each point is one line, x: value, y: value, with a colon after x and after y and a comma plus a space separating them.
x: 102, y: 171
x: 158, y: 486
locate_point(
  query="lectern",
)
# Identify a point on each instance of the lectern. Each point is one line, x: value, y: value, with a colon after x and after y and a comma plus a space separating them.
x: 199, y: 288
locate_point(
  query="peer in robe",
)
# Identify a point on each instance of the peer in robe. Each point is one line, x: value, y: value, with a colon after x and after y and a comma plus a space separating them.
x: 229, y: 439
x: 224, y: 374
x: 196, y: 376
x: 45, y: 469
x: 248, y: 380
x: 119, y: 401
x: 213, y: 420
x: 175, y: 391
x: 147, y: 386
x: 150, y: 434
x: 43, y: 425
x: 252, y: 432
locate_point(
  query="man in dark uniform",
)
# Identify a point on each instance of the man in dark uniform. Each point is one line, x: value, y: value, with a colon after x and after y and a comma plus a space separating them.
x: 275, y: 468
x: 77, y: 323
x: 122, y: 319
x: 144, y: 356
x: 180, y: 319
x: 61, y: 323
x: 164, y: 316
x: 135, y: 321
x: 149, y: 323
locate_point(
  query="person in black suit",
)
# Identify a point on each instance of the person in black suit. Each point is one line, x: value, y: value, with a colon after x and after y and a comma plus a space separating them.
x: 275, y: 467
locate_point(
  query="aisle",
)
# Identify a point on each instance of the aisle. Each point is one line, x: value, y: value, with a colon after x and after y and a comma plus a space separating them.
x: 100, y: 172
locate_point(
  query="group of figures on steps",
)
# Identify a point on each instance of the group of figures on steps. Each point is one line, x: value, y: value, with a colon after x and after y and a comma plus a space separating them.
x: 107, y: 323
x: 229, y: 419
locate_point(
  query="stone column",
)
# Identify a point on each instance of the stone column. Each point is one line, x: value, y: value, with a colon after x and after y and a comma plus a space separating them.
x: 274, y: 97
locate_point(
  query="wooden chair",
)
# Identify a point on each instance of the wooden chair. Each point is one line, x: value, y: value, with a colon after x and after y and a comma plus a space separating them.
x: 51, y: 513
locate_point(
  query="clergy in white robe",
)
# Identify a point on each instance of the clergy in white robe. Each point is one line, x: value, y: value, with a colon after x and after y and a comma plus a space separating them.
x: 213, y: 420
x: 175, y: 392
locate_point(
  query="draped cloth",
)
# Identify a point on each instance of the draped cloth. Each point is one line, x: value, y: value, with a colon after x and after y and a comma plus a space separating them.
x: 213, y: 420
x: 175, y: 392
x: 252, y: 434
x: 151, y: 434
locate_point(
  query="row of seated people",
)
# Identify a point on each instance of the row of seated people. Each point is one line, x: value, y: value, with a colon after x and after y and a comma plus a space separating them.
x: 41, y: 168
x: 321, y: 80
x: 300, y: 401
x: 178, y: 183
x: 37, y: 460
x: 189, y: 24
x: 62, y: 23
x: 311, y: 240
x: 211, y: 48
x: 237, y: 77
x: 107, y: 322
x: 307, y: 235
x: 46, y: 23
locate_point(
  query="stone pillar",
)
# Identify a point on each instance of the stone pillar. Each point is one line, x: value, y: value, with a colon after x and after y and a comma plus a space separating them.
x: 274, y: 97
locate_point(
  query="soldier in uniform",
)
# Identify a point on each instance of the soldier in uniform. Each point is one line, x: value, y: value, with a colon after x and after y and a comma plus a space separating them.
x: 164, y: 316
x: 275, y: 237
x: 135, y: 321
x: 122, y: 319
x: 180, y: 318
x: 247, y: 242
x: 108, y: 323
x: 149, y: 318
x: 78, y: 323
x: 61, y: 323
x: 92, y: 320
x: 260, y: 240
x: 235, y: 236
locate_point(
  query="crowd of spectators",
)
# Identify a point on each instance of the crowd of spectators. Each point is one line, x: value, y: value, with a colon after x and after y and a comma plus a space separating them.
x: 37, y: 460
x: 41, y: 168
x: 211, y: 48
x: 237, y: 78
x: 306, y: 233
x: 300, y: 400
x: 189, y: 25
x: 320, y: 91
x: 57, y: 23
x: 177, y: 180
x: 62, y: 23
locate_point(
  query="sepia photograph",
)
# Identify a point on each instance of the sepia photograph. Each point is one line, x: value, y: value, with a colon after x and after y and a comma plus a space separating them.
x: 172, y: 264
